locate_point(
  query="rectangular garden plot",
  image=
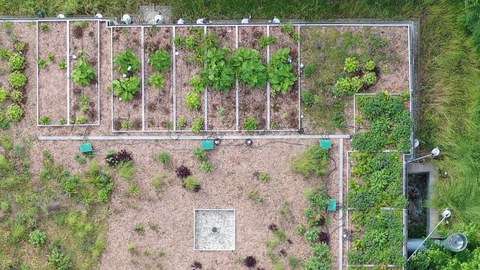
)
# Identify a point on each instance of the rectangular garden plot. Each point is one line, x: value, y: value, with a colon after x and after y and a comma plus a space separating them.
x: 340, y: 61
x: 84, y: 64
x: 253, y: 101
x: 189, y: 96
x: 284, y: 98
x: 158, y: 42
x: 222, y: 105
x: 127, y: 78
x: 53, y: 91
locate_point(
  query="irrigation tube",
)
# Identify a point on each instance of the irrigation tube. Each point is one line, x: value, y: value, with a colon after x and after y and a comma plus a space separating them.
x: 197, y: 137
x: 268, y: 81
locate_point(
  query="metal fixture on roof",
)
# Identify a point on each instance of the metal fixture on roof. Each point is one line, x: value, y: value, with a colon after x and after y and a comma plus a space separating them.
x: 435, y: 152
x: 275, y: 20
x: 181, y: 21
x: 41, y: 14
x: 246, y: 20
x: 248, y: 142
x: 126, y: 19
x: 61, y: 16
x: 159, y: 19
x: 202, y: 21
x: 98, y: 15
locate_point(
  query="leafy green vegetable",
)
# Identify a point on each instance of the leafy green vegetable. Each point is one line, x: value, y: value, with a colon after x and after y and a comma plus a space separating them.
x: 218, y: 73
x: 161, y: 60
x: 194, y: 102
x: 17, y: 80
x: 14, y: 112
x: 157, y: 80
x: 126, y: 88
x: 127, y: 62
x: 249, y: 67
x: 84, y: 73
x: 17, y: 62
x: 280, y: 72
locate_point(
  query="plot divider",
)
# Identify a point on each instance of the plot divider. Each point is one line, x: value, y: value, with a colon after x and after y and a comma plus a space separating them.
x: 99, y: 79
x: 174, y: 79
x: 142, y: 36
x: 37, y: 57
x: 68, y: 72
x: 268, y: 82
x: 237, y: 97
x: 111, y: 78
x: 299, y: 63
x: 340, y: 200
x: 206, y: 92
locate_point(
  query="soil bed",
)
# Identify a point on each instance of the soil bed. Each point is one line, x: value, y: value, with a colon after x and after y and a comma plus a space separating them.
x: 253, y: 102
x: 127, y: 115
x: 284, y: 108
x: 186, y: 69
x: 52, y: 87
x: 84, y: 99
x: 158, y: 102
x: 222, y: 105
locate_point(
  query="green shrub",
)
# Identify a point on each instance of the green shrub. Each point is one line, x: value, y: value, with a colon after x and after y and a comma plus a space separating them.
x: 126, y: 88
x: 352, y: 65
x: 17, y: 80
x: 59, y: 260
x: 182, y: 122
x: 3, y: 95
x: 17, y: 62
x: 133, y: 190
x: 164, y: 158
x: 309, y: 70
x: 45, y: 27
x: 161, y: 60
x: 127, y: 62
x: 45, y: 120
x: 83, y: 74
x: 200, y: 154
x: 218, y: 72
x: 62, y: 64
x: 194, y: 102
x: 309, y: 98
x: 5, y: 54
x: 313, y: 162
x: 348, y: 86
x: 369, y: 78
x: 191, y: 183
x: 16, y: 96
x: 80, y: 120
x: 197, y: 125
x: 127, y: 170
x: 206, y: 166
x: 14, y: 112
x: 37, y: 238
x: 370, y: 65
x: 250, y: 124
x: 198, y: 84
x: 157, y: 80
x: 280, y: 72
x: 321, y: 260
x: 158, y: 183
x: 265, y: 41
x: 20, y: 46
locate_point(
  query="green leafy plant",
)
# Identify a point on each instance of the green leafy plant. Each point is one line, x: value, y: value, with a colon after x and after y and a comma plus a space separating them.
x: 80, y: 120
x: 313, y: 162
x: 280, y: 72
x: 250, y: 123
x: 164, y: 158
x: 200, y: 154
x: 197, y: 125
x: 5, y: 54
x: 218, y: 72
x: 182, y: 122
x: 206, y: 166
x: 17, y: 80
x: 198, y: 84
x: 191, y: 183
x: 309, y: 70
x: 45, y: 27
x: 16, y: 96
x: 352, y: 65
x: 84, y: 73
x: 370, y: 65
x: 17, y: 62
x: 37, y: 238
x: 139, y: 229
x: 369, y: 78
x: 264, y: 177
x: 193, y: 101
x: 161, y: 60
x: 255, y: 196
x: 157, y: 80
x: 348, y: 86
x: 126, y: 88
x: 52, y: 58
x: 20, y: 46
x: 288, y: 28
x: 59, y: 260
x: 133, y: 190
x: 85, y: 103
x: 249, y: 67
x: 62, y: 64
x: 265, y: 41
x: 45, y: 120
x: 3, y: 95
x: 14, y: 112
x: 127, y: 62
x: 309, y: 98
x: 42, y: 63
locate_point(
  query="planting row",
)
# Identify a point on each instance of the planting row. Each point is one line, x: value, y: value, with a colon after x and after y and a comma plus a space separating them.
x: 375, y: 198
x: 74, y: 100
x: 215, y: 78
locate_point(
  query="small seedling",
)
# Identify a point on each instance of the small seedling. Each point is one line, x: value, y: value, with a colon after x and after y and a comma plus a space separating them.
x: 139, y: 229
x: 42, y: 63
x: 45, y: 120
x: 44, y: 27
x: 164, y: 158
x: 80, y: 159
